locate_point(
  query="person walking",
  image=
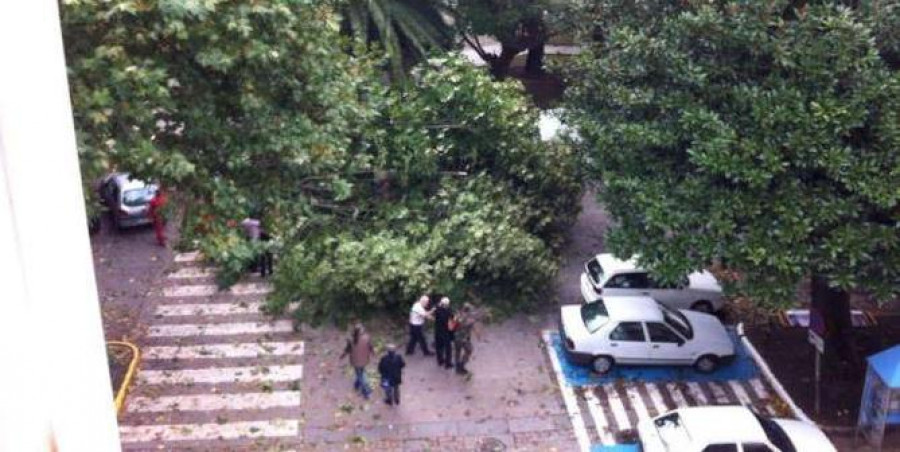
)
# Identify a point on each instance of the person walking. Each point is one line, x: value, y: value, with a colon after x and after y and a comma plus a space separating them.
x: 265, y: 256
x: 157, y: 216
x: 462, y: 345
x: 359, y: 348
x: 253, y: 230
x: 391, y: 369
x: 417, y: 316
x: 443, y: 334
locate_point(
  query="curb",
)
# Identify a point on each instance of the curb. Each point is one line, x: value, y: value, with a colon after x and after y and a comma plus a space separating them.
x: 572, y: 410
x: 129, y: 374
x: 767, y: 372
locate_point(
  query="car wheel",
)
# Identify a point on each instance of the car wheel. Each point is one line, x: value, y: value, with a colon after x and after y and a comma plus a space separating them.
x: 702, y: 306
x: 706, y: 364
x: 603, y: 364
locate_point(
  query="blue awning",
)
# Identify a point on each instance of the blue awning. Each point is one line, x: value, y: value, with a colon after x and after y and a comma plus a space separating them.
x: 886, y: 364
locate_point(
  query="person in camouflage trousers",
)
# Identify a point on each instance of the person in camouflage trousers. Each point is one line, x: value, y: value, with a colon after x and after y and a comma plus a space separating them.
x: 462, y: 345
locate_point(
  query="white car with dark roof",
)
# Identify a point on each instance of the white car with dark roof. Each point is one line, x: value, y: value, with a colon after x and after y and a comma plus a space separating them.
x: 605, y: 274
x: 639, y: 330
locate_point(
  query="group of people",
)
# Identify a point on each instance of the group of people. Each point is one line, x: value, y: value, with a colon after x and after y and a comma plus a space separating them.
x: 452, y: 343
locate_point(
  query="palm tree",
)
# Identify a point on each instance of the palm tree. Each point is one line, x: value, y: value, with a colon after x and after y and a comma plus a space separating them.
x: 406, y: 29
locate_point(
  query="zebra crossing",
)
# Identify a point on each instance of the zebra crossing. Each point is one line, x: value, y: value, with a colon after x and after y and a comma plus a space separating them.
x: 216, y: 373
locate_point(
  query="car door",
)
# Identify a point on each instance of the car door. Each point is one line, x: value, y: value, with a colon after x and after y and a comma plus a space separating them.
x: 628, y: 343
x: 627, y: 284
x: 672, y: 295
x: 666, y: 346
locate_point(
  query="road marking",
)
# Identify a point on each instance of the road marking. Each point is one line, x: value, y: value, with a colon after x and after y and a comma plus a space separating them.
x: 221, y: 329
x: 677, y: 396
x: 617, y: 407
x: 581, y: 434
x: 188, y: 257
x: 205, y: 290
x: 175, y: 310
x: 719, y: 394
x: 243, y: 350
x: 192, y: 272
x: 600, y: 422
x: 210, y: 402
x: 741, y: 394
x: 228, y: 430
x: 659, y: 405
x: 637, y: 403
x: 223, y: 375
x: 697, y: 393
x: 762, y: 394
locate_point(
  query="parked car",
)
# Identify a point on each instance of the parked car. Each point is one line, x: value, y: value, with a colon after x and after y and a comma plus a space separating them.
x: 607, y: 275
x: 640, y: 330
x: 127, y: 199
x: 728, y: 429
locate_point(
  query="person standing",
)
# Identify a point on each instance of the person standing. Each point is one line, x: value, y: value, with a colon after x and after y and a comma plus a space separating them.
x: 391, y: 369
x: 462, y: 345
x: 265, y: 256
x: 443, y: 335
x: 417, y: 316
x: 253, y: 230
x: 157, y: 216
x: 359, y: 348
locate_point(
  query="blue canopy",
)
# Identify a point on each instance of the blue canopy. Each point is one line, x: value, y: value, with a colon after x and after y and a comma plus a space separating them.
x: 886, y: 364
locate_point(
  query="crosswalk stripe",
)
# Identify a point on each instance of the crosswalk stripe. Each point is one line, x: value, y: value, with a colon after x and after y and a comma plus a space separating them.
x: 741, y: 394
x: 227, y: 430
x: 223, y: 375
x: 175, y: 310
x: 221, y: 329
x: 205, y: 290
x: 762, y: 394
x: 209, y: 402
x: 188, y: 257
x: 637, y: 403
x: 697, y: 393
x: 617, y: 407
x: 677, y: 396
x: 659, y: 405
x: 600, y: 422
x: 242, y: 350
x: 719, y: 394
x: 192, y: 272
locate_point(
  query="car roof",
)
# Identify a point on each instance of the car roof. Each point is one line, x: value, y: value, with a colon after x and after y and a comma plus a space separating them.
x: 612, y: 264
x: 124, y: 181
x: 632, y: 308
x: 721, y: 424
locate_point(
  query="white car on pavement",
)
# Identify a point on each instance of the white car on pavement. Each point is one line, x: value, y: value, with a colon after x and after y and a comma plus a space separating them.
x: 728, y: 429
x: 639, y: 330
x: 607, y: 275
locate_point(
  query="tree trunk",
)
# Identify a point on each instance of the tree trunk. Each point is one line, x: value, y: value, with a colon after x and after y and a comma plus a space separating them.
x: 534, y: 65
x: 500, y: 64
x: 834, y: 306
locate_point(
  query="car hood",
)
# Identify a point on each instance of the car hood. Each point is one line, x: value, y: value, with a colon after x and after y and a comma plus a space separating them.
x: 805, y: 436
x: 573, y: 323
x: 704, y: 281
x: 649, y: 436
x: 710, y: 332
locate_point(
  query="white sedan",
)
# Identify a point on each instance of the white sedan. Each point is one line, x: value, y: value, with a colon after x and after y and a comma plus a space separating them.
x: 639, y: 330
x: 728, y: 429
x: 607, y: 275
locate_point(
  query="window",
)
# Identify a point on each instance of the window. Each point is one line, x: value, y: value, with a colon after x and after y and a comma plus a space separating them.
x: 657, y: 283
x: 721, y: 448
x: 628, y: 331
x: 594, y: 315
x: 594, y: 270
x: 756, y: 447
x: 629, y: 281
x: 138, y: 197
x: 661, y: 333
x: 677, y: 321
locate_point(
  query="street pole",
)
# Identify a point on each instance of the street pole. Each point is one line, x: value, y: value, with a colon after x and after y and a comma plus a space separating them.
x: 55, y: 390
x: 818, y: 378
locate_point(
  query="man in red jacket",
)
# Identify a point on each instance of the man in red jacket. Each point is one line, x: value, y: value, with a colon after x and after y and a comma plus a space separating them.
x: 159, y: 223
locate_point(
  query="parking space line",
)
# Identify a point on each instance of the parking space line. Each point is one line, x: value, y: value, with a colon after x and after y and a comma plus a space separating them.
x: 760, y: 390
x: 568, y: 395
x: 637, y: 403
x: 719, y: 394
x: 617, y: 407
x: 659, y: 405
x: 677, y: 396
x: 740, y: 393
x: 600, y: 422
x: 697, y: 393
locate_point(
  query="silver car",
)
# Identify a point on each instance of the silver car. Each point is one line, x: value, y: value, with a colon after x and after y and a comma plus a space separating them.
x: 127, y: 199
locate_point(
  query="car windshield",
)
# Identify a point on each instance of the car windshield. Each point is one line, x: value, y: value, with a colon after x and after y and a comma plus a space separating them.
x: 594, y: 270
x: 138, y: 196
x: 776, y: 434
x: 672, y: 431
x: 677, y: 321
x: 594, y: 315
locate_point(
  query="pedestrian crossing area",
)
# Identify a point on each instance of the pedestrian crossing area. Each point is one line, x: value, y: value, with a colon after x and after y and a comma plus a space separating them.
x: 216, y: 373
x: 612, y: 411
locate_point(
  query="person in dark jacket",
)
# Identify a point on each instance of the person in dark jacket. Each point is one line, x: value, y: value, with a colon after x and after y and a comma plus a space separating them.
x: 360, y: 350
x: 391, y: 369
x: 443, y: 336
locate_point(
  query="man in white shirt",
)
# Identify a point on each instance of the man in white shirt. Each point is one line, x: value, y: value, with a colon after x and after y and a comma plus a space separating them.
x: 417, y: 316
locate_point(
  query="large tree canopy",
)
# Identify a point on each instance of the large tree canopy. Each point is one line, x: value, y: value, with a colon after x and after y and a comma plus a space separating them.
x: 726, y: 133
